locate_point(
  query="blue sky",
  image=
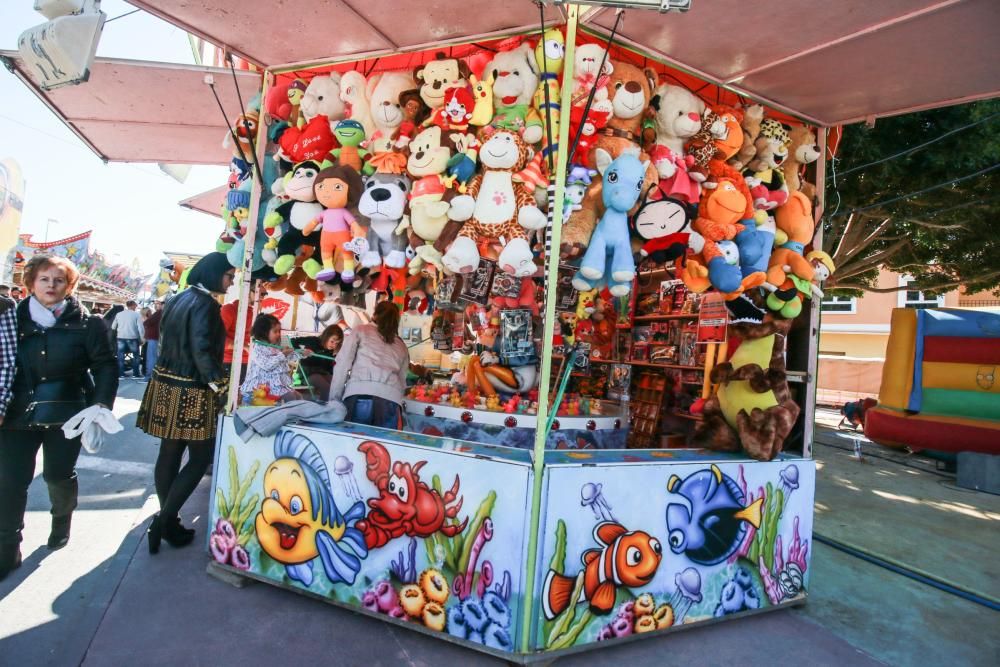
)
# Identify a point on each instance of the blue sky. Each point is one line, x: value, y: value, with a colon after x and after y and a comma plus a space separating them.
x: 132, y: 208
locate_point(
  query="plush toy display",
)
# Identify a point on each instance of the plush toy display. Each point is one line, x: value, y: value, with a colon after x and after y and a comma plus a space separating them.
x: 763, y: 173
x: 354, y: 95
x: 351, y: 134
x: 610, y: 252
x: 437, y: 76
x: 753, y: 407
x: 515, y: 80
x: 322, y: 98
x: 663, y: 223
x: 383, y: 203
x: 293, y: 215
x: 753, y: 115
x: 802, y: 150
x: 338, y: 189
x: 586, y: 64
x: 719, y: 138
x: 550, y: 53
x: 718, y: 223
x: 677, y: 119
x: 497, y: 210
x: 631, y: 90
x: 386, y: 110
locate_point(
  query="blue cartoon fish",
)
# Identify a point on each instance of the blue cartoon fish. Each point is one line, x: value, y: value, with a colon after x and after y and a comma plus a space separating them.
x: 298, y: 519
x: 711, y: 521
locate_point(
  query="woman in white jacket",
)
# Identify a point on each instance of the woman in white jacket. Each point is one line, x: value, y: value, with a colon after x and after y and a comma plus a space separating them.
x: 376, y: 359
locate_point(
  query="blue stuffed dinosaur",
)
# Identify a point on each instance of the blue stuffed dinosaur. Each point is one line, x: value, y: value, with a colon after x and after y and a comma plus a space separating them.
x: 610, y: 250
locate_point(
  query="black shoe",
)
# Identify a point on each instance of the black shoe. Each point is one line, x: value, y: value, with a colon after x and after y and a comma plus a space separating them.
x: 10, y: 559
x: 153, y: 535
x: 175, y: 534
x: 59, y: 537
x: 181, y: 528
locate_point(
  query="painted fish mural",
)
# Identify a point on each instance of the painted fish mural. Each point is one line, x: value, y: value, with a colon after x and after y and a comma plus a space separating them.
x: 710, y: 521
x: 299, y: 520
x: 625, y: 558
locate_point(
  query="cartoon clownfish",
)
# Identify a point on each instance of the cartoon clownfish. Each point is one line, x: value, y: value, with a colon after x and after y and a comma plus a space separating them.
x: 298, y: 519
x: 625, y: 559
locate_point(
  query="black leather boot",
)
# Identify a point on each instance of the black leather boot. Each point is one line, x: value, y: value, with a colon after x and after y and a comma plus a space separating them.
x: 59, y: 537
x: 10, y: 559
x: 154, y: 534
x: 175, y: 534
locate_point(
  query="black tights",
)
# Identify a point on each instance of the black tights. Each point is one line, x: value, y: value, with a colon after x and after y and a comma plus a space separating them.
x: 173, y: 484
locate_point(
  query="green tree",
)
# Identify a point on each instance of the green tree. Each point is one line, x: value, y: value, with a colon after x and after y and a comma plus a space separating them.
x: 904, y: 213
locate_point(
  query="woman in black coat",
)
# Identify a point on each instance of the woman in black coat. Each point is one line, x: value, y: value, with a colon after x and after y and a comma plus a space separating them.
x: 64, y: 364
x: 183, y: 398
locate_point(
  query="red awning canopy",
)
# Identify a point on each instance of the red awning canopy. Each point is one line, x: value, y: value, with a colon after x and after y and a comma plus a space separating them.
x: 827, y: 62
x: 209, y: 202
x: 135, y: 111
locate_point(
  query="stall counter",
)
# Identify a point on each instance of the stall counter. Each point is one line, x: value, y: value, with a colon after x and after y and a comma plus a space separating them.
x: 432, y: 533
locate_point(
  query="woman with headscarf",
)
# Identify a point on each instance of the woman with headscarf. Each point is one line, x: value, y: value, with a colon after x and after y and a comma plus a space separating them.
x: 184, y: 395
x: 63, y: 363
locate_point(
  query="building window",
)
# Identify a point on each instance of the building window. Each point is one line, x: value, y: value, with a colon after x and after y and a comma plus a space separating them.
x: 844, y: 305
x: 914, y: 298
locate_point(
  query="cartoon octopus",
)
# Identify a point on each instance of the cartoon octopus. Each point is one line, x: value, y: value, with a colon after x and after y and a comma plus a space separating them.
x: 406, y: 505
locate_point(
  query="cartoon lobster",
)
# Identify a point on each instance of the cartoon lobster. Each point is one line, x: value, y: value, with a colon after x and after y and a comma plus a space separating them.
x: 405, y: 506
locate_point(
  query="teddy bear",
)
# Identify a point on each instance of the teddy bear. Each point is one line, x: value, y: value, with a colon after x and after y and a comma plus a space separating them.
x: 677, y: 118
x: 609, y: 254
x: 586, y: 63
x: 763, y: 174
x: 322, y: 98
x: 753, y: 116
x: 383, y: 92
x: 631, y: 89
x: 354, y: 95
x: 802, y: 150
x: 515, y: 80
x: 383, y: 202
x: 753, y: 407
x: 437, y: 76
x: 497, y: 209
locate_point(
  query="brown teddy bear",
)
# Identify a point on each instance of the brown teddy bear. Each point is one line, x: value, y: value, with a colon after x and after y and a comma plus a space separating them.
x: 802, y: 150
x: 753, y: 115
x: 630, y: 90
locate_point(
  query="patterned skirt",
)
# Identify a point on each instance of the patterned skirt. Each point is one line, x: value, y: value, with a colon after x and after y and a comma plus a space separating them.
x: 178, y: 408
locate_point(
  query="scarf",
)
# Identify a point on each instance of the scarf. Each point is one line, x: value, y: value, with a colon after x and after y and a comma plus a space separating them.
x: 44, y: 316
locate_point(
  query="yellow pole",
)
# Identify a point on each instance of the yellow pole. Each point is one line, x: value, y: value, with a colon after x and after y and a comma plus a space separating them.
x: 548, y: 327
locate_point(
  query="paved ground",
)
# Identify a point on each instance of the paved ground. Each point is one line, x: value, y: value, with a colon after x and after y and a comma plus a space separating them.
x: 104, y: 601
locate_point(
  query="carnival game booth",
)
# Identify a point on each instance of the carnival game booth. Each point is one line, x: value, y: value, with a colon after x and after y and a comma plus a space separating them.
x: 533, y: 553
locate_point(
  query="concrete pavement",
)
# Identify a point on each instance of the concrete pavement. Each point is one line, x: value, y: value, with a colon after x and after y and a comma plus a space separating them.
x: 105, y: 601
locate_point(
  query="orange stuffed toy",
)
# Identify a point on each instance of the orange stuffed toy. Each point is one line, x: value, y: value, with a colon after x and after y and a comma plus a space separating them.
x: 719, y: 139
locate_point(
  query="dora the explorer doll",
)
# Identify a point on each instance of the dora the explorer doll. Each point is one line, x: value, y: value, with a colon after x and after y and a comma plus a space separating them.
x: 338, y: 189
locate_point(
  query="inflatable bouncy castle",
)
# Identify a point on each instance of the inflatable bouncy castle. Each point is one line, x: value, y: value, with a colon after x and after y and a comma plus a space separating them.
x: 940, y: 388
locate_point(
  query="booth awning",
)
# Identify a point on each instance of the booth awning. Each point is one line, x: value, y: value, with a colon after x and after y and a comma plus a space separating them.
x: 209, y: 202
x: 827, y: 62
x: 135, y: 111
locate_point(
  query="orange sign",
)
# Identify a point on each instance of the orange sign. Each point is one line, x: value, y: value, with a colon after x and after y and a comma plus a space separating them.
x: 712, y: 319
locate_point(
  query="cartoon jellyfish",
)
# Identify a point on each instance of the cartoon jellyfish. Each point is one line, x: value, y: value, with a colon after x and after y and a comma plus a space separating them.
x: 687, y: 593
x: 789, y: 482
x: 344, y: 469
x: 590, y: 496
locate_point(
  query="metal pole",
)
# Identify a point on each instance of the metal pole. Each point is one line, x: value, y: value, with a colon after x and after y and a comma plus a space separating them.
x: 552, y: 274
x: 244, y: 273
x: 812, y: 361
